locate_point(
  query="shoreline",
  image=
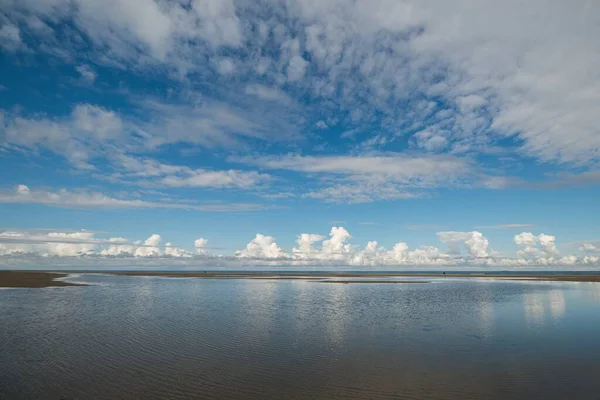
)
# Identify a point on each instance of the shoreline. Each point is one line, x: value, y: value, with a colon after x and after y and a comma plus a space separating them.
x: 48, y: 278
x: 295, y: 275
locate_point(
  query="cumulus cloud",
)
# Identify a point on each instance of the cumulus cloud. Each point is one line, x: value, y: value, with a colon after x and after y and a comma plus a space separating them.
x: 476, y: 244
x: 22, y: 194
x: 305, y: 247
x: 87, y: 244
x: 60, y: 244
x: 200, y: 246
x: 540, y: 247
x: 262, y: 247
x: 30, y: 248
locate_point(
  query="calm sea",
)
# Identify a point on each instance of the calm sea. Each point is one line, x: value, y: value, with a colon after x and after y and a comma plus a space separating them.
x: 151, y: 338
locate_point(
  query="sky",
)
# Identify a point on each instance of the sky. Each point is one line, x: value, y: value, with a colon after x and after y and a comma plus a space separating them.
x: 300, y: 132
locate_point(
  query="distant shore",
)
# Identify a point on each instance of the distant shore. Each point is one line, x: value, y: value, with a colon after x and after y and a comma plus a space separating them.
x: 300, y: 275
x: 38, y: 278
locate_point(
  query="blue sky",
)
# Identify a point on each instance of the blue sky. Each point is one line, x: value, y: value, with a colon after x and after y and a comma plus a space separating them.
x: 467, y: 134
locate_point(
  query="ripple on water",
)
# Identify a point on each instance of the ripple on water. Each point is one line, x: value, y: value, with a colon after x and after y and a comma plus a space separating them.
x: 157, y: 338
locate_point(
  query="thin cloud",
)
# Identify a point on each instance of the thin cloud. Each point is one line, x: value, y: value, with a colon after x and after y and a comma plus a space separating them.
x: 86, y: 199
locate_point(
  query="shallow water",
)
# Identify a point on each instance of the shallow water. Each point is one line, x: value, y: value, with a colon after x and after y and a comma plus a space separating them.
x: 138, y: 337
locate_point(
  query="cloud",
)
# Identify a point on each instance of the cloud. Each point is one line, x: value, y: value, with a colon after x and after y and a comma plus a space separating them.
x: 361, y: 192
x: 22, y: 194
x: 359, y: 179
x: 374, y: 255
x: 31, y: 248
x: 149, y: 172
x: 10, y: 38
x: 81, y: 136
x: 262, y: 247
x: 86, y: 72
x: 91, y: 131
x: 200, y: 246
x: 541, y: 247
x: 58, y: 244
x: 85, y: 244
x: 451, y: 70
x: 305, y: 249
x: 82, y: 244
x: 267, y: 93
x: 226, y: 66
x: 395, y: 165
x: 590, y: 247
x: 476, y: 244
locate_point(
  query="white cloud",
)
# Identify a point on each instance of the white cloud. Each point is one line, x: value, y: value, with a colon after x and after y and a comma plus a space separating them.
x: 149, y: 172
x: 92, y: 132
x: 262, y: 247
x: 476, y: 244
x: 446, y: 67
x: 305, y: 247
x: 360, y: 192
x: 86, y: 244
x: 360, y: 179
x: 226, y: 66
x: 267, y: 93
x: 203, y: 178
x: 58, y: 244
x: 87, y: 199
x: 31, y: 247
x: 542, y: 247
x: 430, y: 141
x: 374, y: 255
x: 296, y: 68
x: 321, y: 125
x: 10, y: 38
x: 86, y: 72
x: 393, y: 164
x: 590, y: 247
x: 336, y: 247
x: 79, y: 137
x: 200, y: 246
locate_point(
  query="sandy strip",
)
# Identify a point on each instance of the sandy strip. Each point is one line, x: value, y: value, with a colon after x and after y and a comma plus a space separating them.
x: 32, y: 279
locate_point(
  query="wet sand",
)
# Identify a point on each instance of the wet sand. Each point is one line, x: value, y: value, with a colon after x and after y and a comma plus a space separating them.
x: 32, y: 279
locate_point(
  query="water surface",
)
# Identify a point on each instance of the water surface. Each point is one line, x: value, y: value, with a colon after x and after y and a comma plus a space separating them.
x: 140, y: 337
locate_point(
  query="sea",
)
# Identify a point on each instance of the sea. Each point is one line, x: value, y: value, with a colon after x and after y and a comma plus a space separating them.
x: 125, y: 337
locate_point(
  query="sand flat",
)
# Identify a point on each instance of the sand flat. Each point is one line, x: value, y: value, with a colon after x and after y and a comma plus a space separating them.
x: 32, y: 279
